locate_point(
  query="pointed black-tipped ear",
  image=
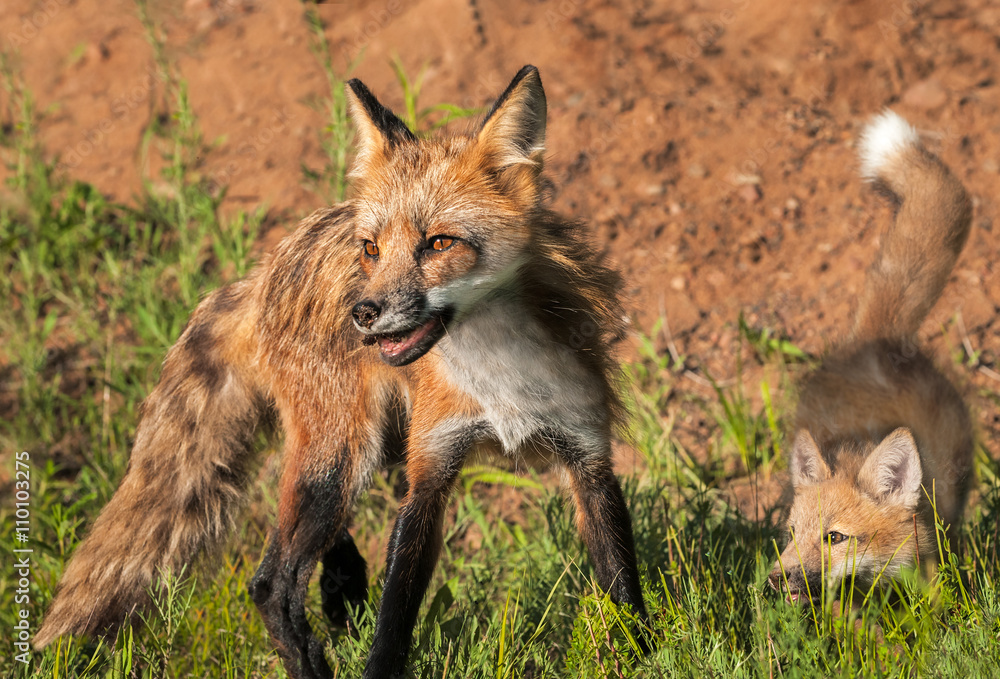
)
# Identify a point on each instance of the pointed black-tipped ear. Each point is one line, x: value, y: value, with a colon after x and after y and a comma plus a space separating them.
x: 892, y: 471
x: 807, y: 465
x: 514, y: 130
x: 378, y: 128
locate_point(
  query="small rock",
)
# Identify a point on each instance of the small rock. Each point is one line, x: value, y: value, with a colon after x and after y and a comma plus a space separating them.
x: 95, y: 52
x: 926, y: 94
x: 678, y: 283
x: 608, y: 181
x: 749, y: 193
x: 654, y: 189
x: 716, y: 278
x: 749, y: 237
x: 675, y: 208
x: 608, y: 214
x: 991, y: 165
x: 972, y: 278
x: 697, y: 171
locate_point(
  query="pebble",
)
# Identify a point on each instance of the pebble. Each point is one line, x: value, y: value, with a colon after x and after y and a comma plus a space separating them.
x: 717, y: 278
x: 926, y: 94
x: 749, y: 193
x: 697, y: 171
x: 96, y: 52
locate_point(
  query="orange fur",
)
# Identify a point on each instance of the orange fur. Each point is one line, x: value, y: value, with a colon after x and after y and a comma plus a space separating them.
x: 478, y: 300
x: 884, y: 439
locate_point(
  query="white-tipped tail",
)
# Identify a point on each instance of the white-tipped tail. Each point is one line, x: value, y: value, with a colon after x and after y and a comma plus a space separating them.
x: 917, y: 253
x: 882, y: 140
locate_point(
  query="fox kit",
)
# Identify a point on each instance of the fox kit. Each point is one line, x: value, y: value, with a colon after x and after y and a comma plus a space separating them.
x: 442, y: 310
x: 883, y: 438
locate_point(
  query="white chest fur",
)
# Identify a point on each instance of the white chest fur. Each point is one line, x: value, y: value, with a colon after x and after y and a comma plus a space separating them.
x: 524, y: 381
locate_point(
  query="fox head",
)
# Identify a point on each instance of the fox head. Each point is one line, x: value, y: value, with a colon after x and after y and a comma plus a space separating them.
x: 854, y: 525
x: 441, y: 224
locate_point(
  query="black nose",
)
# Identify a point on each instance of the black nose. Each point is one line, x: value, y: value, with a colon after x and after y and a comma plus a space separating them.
x: 366, y: 312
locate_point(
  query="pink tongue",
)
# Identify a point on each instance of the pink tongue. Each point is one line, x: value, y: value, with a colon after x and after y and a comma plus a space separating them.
x: 396, y: 347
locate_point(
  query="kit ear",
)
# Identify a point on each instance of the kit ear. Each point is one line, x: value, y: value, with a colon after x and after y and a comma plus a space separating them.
x: 378, y: 129
x: 513, y: 132
x: 892, y: 471
x: 807, y: 465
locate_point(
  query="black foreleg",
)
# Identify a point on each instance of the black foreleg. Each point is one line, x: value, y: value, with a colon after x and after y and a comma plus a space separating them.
x: 413, y: 553
x: 312, y: 514
x: 606, y: 528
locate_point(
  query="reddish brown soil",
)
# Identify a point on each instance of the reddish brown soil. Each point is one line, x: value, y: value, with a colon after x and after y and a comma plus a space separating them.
x: 709, y: 142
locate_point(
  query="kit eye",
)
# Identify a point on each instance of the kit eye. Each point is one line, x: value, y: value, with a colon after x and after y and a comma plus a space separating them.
x: 441, y: 242
x: 371, y: 249
x: 835, y: 538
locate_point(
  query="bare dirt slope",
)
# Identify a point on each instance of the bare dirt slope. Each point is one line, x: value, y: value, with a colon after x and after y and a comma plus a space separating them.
x: 709, y: 142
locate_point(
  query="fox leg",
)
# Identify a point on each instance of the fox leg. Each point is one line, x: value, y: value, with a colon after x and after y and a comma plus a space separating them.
x: 414, y: 547
x: 313, y: 514
x: 603, y: 521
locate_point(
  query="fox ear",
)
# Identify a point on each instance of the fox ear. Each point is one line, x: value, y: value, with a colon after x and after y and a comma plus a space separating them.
x: 514, y: 130
x: 378, y: 128
x: 807, y: 464
x: 893, y: 471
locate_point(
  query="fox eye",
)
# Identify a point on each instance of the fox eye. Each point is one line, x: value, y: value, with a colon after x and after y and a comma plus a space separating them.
x: 441, y: 242
x: 835, y: 538
x: 371, y: 249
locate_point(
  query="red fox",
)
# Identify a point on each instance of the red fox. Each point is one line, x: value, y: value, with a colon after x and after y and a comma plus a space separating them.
x: 883, y: 438
x: 442, y: 310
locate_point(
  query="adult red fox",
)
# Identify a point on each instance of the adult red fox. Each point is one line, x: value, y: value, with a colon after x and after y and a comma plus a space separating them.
x: 884, y: 439
x: 443, y: 310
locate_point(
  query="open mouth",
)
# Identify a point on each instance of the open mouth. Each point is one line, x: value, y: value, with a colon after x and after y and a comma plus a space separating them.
x: 401, y: 348
x: 798, y: 596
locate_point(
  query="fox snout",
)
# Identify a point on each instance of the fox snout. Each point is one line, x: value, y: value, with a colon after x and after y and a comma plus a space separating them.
x: 366, y: 312
x: 797, y: 582
x: 775, y: 579
x: 391, y: 313
x: 404, y: 326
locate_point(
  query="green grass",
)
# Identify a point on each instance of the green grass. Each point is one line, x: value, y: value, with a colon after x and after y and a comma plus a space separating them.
x: 336, y: 136
x: 98, y: 291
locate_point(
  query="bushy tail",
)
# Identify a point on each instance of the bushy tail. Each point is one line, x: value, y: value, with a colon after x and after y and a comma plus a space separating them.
x: 189, y: 466
x: 919, y: 250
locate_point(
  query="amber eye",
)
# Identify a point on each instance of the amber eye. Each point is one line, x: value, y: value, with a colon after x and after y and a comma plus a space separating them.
x: 835, y: 538
x: 371, y: 249
x: 441, y: 242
